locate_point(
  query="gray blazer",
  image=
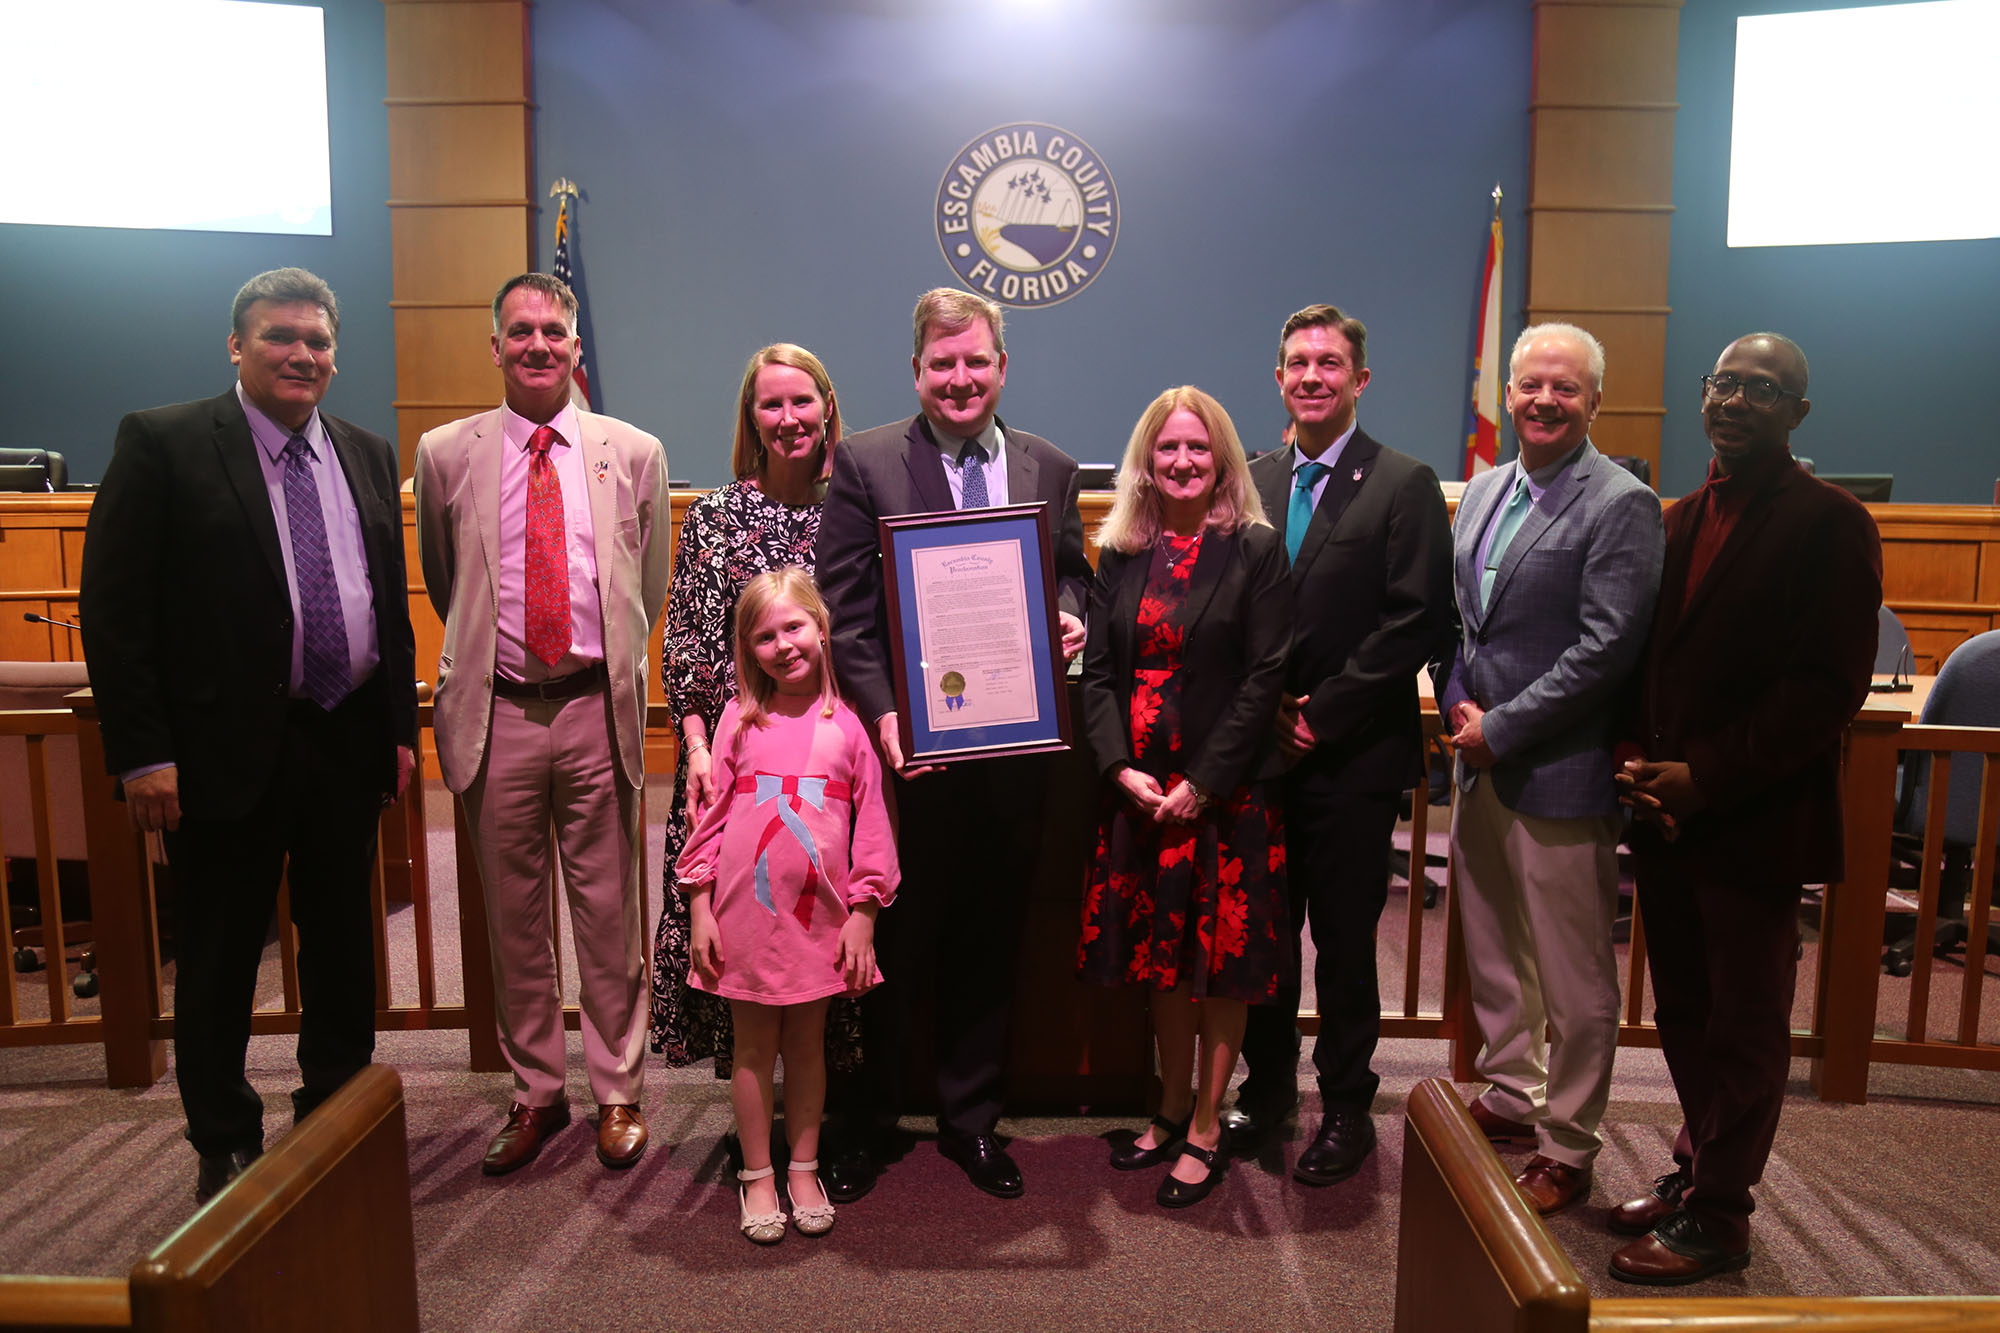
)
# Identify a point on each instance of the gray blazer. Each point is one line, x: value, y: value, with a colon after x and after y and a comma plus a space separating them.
x: 1571, y: 605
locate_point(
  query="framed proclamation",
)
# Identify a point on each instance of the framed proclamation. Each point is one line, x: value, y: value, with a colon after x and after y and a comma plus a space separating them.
x: 973, y: 641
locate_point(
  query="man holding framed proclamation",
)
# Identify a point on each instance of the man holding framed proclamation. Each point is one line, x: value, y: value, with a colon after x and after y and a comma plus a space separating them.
x: 966, y: 832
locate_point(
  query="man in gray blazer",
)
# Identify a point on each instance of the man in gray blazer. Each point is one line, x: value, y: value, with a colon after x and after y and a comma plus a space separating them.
x: 1556, y: 563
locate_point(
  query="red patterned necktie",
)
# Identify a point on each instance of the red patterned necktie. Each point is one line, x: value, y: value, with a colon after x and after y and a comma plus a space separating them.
x: 548, y: 568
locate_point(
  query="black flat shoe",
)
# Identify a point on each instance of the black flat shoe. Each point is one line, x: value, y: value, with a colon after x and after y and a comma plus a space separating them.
x: 1175, y: 1193
x: 1131, y: 1157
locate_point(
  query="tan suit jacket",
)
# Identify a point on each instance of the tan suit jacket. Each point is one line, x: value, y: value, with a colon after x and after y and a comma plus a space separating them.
x: 458, y: 536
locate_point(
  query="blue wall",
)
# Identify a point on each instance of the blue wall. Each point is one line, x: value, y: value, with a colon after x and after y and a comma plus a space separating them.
x: 766, y: 170
x: 1902, y: 338
x: 105, y: 320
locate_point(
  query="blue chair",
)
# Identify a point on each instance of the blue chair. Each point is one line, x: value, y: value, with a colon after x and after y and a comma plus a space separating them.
x: 1967, y: 694
x: 1892, y: 646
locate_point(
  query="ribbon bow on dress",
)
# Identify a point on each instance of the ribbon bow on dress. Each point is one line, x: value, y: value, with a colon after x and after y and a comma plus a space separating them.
x: 788, y: 792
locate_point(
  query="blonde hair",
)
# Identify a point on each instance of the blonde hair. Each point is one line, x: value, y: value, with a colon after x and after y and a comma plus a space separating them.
x: 753, y: 687
x: 748, y: 456
x: 1134, y: 521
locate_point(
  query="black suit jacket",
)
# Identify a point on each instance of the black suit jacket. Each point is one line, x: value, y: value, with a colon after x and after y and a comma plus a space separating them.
x: 1239, y: 618
x: 1753, y: 680
x: 899, y: 469
x: 187, y: 617
x: 1372, y: 606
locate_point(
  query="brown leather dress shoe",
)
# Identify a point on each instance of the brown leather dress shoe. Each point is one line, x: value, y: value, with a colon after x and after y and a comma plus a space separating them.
x: 521, y: 1137
x: 1636, y: 1217
x: 1677, y: 1252
x: 1550, y: 1186
x: 1498, y: 1129
x: 621, y: 1136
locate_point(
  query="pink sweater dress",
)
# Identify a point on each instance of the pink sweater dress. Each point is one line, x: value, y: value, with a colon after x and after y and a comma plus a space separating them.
x: 799, y: 832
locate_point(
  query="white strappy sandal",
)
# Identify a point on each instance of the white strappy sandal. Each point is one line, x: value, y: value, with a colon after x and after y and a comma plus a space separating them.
x: 764, y: 1228
x: 812, y: 1219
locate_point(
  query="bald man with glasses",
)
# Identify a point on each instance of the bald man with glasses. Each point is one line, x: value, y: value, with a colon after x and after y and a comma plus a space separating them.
x: 1762, y: 643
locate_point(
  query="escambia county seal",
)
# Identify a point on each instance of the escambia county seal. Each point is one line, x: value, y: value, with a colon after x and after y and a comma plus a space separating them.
x: 1027, y: 214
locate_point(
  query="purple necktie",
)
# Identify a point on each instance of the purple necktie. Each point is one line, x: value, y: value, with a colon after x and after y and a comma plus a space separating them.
x: 327, y: 674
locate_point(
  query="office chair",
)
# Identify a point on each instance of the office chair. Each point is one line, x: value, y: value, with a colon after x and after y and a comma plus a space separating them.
x: 1967, y: 694
x: 1892, y: 646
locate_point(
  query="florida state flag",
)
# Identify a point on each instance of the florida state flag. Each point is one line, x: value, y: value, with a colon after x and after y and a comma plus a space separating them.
x: 1482, y: 439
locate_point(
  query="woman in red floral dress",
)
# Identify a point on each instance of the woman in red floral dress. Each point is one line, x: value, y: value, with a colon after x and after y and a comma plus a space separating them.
x: 1189, y: 624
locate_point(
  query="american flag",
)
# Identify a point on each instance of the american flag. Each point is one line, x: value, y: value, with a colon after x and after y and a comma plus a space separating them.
x: 579, y: 390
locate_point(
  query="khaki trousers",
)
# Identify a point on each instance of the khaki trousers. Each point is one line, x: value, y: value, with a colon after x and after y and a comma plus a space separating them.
x: 1536, y: 899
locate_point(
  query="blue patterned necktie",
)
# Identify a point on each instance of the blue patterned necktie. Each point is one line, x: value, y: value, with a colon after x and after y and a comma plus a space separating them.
x: 972, y: 476
x: 1299, y: 513
x: 327, y: 672
x: 1518, y: 504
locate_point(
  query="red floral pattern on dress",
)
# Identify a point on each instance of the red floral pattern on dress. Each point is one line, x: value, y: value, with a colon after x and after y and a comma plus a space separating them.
x: 1202, y: 903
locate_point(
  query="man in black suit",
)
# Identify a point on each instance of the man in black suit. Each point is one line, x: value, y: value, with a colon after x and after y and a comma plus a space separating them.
x: 246, y: 620
x: 1371, y: 581
x: 967, y: 834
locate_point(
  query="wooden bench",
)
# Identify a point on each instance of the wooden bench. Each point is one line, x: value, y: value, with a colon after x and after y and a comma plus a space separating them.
x: 316, y: 1234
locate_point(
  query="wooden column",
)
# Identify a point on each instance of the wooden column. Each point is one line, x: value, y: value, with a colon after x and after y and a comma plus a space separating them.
x: 1601, y: 178
x: 462, y: 206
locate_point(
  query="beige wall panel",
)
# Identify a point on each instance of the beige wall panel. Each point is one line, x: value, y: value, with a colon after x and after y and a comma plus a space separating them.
x: 412, y: 422
x: 1610, y: 53
x: 457, y: 50
x: 457, y: 254
x: 1635, y: 349
x: 1637, y: 435
x: 445, y: 356
x: 1603, y: 157
x: 459, y: 152
x: 1597, y: 260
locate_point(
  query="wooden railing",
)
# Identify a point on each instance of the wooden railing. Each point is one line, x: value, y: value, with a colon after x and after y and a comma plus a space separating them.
x: 316, y: 1234
x: 1840, y: 1038
x: 1471, y: 1256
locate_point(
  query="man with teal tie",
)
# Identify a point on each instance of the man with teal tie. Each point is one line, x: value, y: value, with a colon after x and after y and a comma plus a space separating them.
x: 1371, y: 579
x: 1557, y: 564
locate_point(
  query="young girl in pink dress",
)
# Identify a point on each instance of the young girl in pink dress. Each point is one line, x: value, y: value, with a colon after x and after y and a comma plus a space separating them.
x: 784, y: 874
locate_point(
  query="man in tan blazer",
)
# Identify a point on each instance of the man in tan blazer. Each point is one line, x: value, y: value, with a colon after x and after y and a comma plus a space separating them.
x: 543, y: 532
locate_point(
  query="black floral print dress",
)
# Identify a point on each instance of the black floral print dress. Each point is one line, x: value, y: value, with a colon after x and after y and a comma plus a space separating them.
x: 730, y: 536
x: 1203, y: 904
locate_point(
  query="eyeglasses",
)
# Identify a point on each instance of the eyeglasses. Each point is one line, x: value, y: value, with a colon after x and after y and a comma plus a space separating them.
x: 1758, y: 393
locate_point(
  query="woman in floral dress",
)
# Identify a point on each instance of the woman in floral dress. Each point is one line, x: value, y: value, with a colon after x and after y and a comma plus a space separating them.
x: 1182, y: 675
x: 787, y: 425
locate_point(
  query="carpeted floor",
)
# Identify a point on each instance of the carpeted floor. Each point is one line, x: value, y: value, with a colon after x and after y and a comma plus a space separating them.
x: 1889, y: 1198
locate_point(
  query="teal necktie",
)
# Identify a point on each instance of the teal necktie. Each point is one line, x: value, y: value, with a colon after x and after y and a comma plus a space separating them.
x: 1299, y: 513
x: 1517, y: 508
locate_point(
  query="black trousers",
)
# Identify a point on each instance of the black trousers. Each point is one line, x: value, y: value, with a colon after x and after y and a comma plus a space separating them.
x: 949, y: 946
x: 321, y: 811
x: 1724, y: 962
x: 1337, y: 854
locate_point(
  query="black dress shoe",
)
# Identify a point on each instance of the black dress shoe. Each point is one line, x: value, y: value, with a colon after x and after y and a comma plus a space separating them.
x: 985, y: 1163
x: 1177, y: 1193
x: 1258, y: 1112
x: 217, y: 1171
x: 1131, y: 1157
x: 849, y: 1175
x: 1346, y: 1137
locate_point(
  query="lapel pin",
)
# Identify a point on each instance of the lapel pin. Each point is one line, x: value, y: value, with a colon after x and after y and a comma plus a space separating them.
x: 1357, y: 474
x: 601, y: 468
